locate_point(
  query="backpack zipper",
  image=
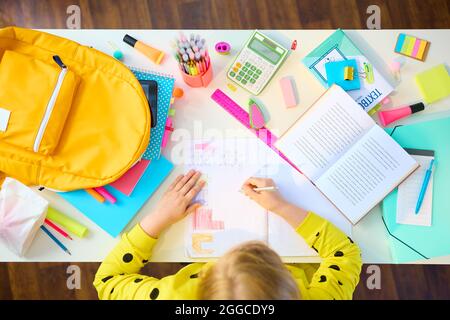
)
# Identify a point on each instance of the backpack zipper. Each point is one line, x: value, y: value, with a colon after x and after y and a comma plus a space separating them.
x: 50, y: 104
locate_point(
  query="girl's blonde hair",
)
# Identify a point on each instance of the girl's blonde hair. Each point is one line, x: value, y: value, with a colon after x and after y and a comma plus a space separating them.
x: 251, y: 271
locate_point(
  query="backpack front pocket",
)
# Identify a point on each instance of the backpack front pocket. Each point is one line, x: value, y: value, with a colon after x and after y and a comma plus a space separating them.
x: 35, y: 99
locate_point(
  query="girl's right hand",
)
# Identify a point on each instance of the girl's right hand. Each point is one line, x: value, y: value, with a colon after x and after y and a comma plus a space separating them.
x: 273, y: 201
x: 270, y: 200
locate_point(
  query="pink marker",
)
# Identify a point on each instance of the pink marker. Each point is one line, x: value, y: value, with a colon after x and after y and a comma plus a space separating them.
x: 105, y: 194
x: 389, y: 116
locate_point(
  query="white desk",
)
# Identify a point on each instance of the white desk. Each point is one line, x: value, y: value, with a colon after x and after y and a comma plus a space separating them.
x: 197, y: 116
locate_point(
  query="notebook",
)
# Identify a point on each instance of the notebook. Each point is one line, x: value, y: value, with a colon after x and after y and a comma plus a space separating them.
x: 165, y: 88
x: 408, y: 242
x: 338, y: 47
x: 434, y: 83
x: 114, y: 217
x: 350, y: 159
x: 130, y: 179
x: 227, y: 217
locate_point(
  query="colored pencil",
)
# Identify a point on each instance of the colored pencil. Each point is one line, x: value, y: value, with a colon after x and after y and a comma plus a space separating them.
x: 95, y: 195
x: 105, y: 194
x: 58, y: 229
x: 59, y: 243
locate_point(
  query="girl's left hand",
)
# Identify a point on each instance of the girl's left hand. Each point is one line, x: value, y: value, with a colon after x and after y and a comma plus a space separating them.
x: 175, y: 203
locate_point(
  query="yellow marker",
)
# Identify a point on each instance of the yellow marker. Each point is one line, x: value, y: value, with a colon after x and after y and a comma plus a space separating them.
x: 348, y: 73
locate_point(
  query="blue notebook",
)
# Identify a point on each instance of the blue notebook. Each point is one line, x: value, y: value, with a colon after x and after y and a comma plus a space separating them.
x: 165, y: 90
x: 113, y: 218
x: 409, y: 242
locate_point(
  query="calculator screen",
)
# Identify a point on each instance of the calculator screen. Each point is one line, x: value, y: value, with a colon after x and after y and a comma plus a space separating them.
x: 264, y: 50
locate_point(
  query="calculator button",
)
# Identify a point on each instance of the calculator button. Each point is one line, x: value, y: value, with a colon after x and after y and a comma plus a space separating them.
x: 238, y: 78
x: 252, y: 80
x: 244, y: 69
x: 255, y: 76
x: 258, y: 71
x: 241, y: 73
x: 247, y: 77
x: 243, y: 81
x: 250, y: 72
x: 253, y: 68
x: 232, y: 74
x: 238, y: 65
x: 247, y: 64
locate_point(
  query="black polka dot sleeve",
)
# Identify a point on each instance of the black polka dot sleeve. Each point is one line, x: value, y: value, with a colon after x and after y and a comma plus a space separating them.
x: 340, y: 269
x: 118, y: 276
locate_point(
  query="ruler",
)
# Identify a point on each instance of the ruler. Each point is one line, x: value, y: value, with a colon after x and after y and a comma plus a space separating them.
x: 243, y: 117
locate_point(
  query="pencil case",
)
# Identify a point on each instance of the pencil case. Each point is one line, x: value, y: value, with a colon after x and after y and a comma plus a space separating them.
x: 35, y: 100
x: 200, y: 80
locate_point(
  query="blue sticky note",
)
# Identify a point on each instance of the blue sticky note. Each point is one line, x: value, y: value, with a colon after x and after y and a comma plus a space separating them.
x: 400, y: 41
x: 113, y: 218
x: 335, y: 74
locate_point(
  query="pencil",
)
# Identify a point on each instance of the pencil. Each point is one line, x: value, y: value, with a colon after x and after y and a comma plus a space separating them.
x: 95, y: 195
x: 58, y: 229
x: 59, y: 243
x: 272, y: 188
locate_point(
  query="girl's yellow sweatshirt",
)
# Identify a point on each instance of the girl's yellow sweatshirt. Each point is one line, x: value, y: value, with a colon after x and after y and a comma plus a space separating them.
x: 336, y: 278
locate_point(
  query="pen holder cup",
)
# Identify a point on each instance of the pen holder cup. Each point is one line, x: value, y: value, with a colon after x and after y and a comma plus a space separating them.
x: 200, y: 80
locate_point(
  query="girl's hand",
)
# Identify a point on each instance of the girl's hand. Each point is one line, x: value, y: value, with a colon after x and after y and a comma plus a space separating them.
x: 270, y: 200
x: 273, y: 201
x: 175, y: 203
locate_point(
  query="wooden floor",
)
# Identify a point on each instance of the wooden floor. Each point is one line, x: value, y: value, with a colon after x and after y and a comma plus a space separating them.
x: 48, y: 280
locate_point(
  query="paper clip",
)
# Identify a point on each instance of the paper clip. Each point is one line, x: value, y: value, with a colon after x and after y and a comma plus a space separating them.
x: 348, y: 73
x: 368, y: 69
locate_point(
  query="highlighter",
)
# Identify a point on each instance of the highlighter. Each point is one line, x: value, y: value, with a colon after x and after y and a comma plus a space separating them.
x: 389, y: 116
x: 153, y: 54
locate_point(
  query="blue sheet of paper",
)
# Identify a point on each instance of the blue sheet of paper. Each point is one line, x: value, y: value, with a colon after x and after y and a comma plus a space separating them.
x: 113, y: 218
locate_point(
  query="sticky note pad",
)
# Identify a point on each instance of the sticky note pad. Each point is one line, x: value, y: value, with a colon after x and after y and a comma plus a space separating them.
x: 412, y: 47
x: 434, y: 84
x: 335, y: 74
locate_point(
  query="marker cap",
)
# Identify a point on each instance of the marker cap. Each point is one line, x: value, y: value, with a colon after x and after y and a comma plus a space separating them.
x: 417, y: 107
x: 129, y: 40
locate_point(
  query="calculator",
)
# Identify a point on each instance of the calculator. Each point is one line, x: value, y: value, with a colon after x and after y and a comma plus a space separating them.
x: 257, y: 62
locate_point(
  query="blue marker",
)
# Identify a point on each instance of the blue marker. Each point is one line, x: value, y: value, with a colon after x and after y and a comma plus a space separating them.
x: 423, y: 190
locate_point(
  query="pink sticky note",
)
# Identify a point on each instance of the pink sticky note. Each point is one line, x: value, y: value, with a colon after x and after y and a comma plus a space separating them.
x: 130, y: 179
x: 288, y: 89
x: 168, y: 130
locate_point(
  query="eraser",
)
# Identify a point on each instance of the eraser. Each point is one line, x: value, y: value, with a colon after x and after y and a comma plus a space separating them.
x: 289, y: 91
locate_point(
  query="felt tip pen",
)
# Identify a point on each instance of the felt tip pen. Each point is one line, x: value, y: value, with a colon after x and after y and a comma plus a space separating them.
x: 389, y: 116
x: 423, y: 190
x: 105, y: 194
x: 153, y: 54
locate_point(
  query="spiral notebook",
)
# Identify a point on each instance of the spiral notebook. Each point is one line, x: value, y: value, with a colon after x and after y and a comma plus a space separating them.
x: 165, y: 88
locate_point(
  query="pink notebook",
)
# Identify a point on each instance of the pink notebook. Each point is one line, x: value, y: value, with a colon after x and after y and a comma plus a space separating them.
x: 130, y: 179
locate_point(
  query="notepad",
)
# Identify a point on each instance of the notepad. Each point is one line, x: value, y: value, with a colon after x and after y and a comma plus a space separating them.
x: 165, y: 89
x: 434, y: 84
x: 114, y: 217
x: 345, y: 154
x: 228, y: 218
x: 409, y: 190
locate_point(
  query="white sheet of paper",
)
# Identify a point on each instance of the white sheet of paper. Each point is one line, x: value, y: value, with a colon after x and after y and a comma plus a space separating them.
x: 408, y: 193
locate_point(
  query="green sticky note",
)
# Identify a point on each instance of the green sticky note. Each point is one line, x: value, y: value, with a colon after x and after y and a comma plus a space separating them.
x: 434, y: 84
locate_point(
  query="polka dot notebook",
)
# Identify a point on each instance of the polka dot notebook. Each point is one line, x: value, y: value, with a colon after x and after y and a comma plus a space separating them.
x: 165, y: 88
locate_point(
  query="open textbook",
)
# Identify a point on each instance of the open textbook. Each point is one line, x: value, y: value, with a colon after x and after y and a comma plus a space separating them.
x: 228, y: 218
x: 350, y: 159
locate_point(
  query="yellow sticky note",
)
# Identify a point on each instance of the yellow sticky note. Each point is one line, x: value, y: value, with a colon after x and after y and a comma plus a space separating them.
x: 421, y: 51
x: 434, y: 84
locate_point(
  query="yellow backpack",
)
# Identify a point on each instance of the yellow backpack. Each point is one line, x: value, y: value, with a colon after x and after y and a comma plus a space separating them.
x: 71, y: 117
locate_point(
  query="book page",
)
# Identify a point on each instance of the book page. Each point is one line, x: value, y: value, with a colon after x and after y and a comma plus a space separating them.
x: 297, y: 189
x: 325, y: 132
x: 372, y: 168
